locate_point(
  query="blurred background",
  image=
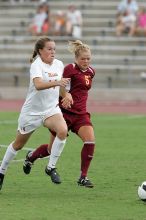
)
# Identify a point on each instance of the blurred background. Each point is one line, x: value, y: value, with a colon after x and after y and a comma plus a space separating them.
x: 118, y: 48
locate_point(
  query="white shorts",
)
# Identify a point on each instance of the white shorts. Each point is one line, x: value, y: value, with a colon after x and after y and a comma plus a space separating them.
x: 28, y: 123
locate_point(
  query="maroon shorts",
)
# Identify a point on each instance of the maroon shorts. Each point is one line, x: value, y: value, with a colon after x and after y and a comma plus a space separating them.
x: 75, y: 121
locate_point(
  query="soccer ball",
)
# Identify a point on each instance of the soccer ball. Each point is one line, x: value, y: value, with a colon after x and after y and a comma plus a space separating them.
x: 142, y: 191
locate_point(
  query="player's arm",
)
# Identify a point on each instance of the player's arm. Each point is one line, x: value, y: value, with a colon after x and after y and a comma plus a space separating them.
x: 67, y: 99
x: 40, y: 84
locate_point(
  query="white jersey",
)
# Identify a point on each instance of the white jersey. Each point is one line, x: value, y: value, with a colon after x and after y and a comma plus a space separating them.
x: 38, y: 102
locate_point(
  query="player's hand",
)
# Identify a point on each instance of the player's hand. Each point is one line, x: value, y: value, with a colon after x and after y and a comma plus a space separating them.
x: 67, y: 101
x: 64, y: 82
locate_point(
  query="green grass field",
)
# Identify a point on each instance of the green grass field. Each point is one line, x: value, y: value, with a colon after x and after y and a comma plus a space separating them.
x: 117, y: 169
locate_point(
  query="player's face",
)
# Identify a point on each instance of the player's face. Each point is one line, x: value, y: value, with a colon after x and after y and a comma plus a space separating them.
x: 48, y: 52
x: 83, y: 60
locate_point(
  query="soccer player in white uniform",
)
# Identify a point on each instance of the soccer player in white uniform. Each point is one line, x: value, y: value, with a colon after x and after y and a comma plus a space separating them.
x: 41, y: 106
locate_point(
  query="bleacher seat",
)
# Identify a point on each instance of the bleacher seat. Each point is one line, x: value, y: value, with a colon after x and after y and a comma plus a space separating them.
x: 112, y: 56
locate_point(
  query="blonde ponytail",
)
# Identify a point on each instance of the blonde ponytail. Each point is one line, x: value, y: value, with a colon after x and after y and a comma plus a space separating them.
x: 77, y: 46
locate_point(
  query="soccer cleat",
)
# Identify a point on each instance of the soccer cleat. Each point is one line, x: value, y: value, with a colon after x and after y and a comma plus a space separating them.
x: 1, y: 180
x: 54, y: 175
x: 27, y: 165
x: 84, y: 181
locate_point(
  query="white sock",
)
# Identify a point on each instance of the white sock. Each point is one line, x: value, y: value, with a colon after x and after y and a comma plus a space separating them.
x: 56, y: 151
x: 8, y: 157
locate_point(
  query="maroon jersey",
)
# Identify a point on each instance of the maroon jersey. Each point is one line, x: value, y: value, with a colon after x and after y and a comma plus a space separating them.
x: 80, y: 84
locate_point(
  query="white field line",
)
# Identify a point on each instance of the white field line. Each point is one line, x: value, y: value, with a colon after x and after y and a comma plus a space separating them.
x: 16, y: 161
x: 25, y: 148
x: 108, y: 117
x: 8, y: 122
x: 136, y: 116
x: 122, y: 117
x: 20, y: 160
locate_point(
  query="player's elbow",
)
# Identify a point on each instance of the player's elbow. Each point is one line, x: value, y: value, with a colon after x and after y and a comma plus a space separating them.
x: 39, y: 88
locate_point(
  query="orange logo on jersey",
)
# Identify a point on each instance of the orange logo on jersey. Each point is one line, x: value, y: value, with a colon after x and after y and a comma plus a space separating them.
x: 52, y: 74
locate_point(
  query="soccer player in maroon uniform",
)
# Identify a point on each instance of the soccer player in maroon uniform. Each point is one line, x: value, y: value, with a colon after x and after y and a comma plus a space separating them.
x: 76, y: 117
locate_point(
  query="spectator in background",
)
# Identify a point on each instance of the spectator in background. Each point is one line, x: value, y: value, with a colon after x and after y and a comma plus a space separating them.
x: 126, y: 24
x: 59, y: 23
x: 74, y: 22
x: 47, y: 24
x: 140, y: 28
x: 40, y: 21
x: 126, y: 17
x: 127, y: 5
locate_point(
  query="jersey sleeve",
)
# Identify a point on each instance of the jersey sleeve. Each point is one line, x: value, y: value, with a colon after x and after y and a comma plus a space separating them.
x: 92, y: 72
x: 68, y: 70
x: 35, y: 71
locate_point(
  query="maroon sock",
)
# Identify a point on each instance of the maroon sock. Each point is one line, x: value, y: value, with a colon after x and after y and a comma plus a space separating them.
x: 40, y: 152
x: 86, y: 157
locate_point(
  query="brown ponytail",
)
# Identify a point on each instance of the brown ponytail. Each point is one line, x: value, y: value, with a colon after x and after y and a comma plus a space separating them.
x: 33, y: 56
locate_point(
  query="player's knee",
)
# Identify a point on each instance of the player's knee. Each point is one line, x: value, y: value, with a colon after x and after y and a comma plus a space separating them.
x: 62, y: 134
x: 18, y: 145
